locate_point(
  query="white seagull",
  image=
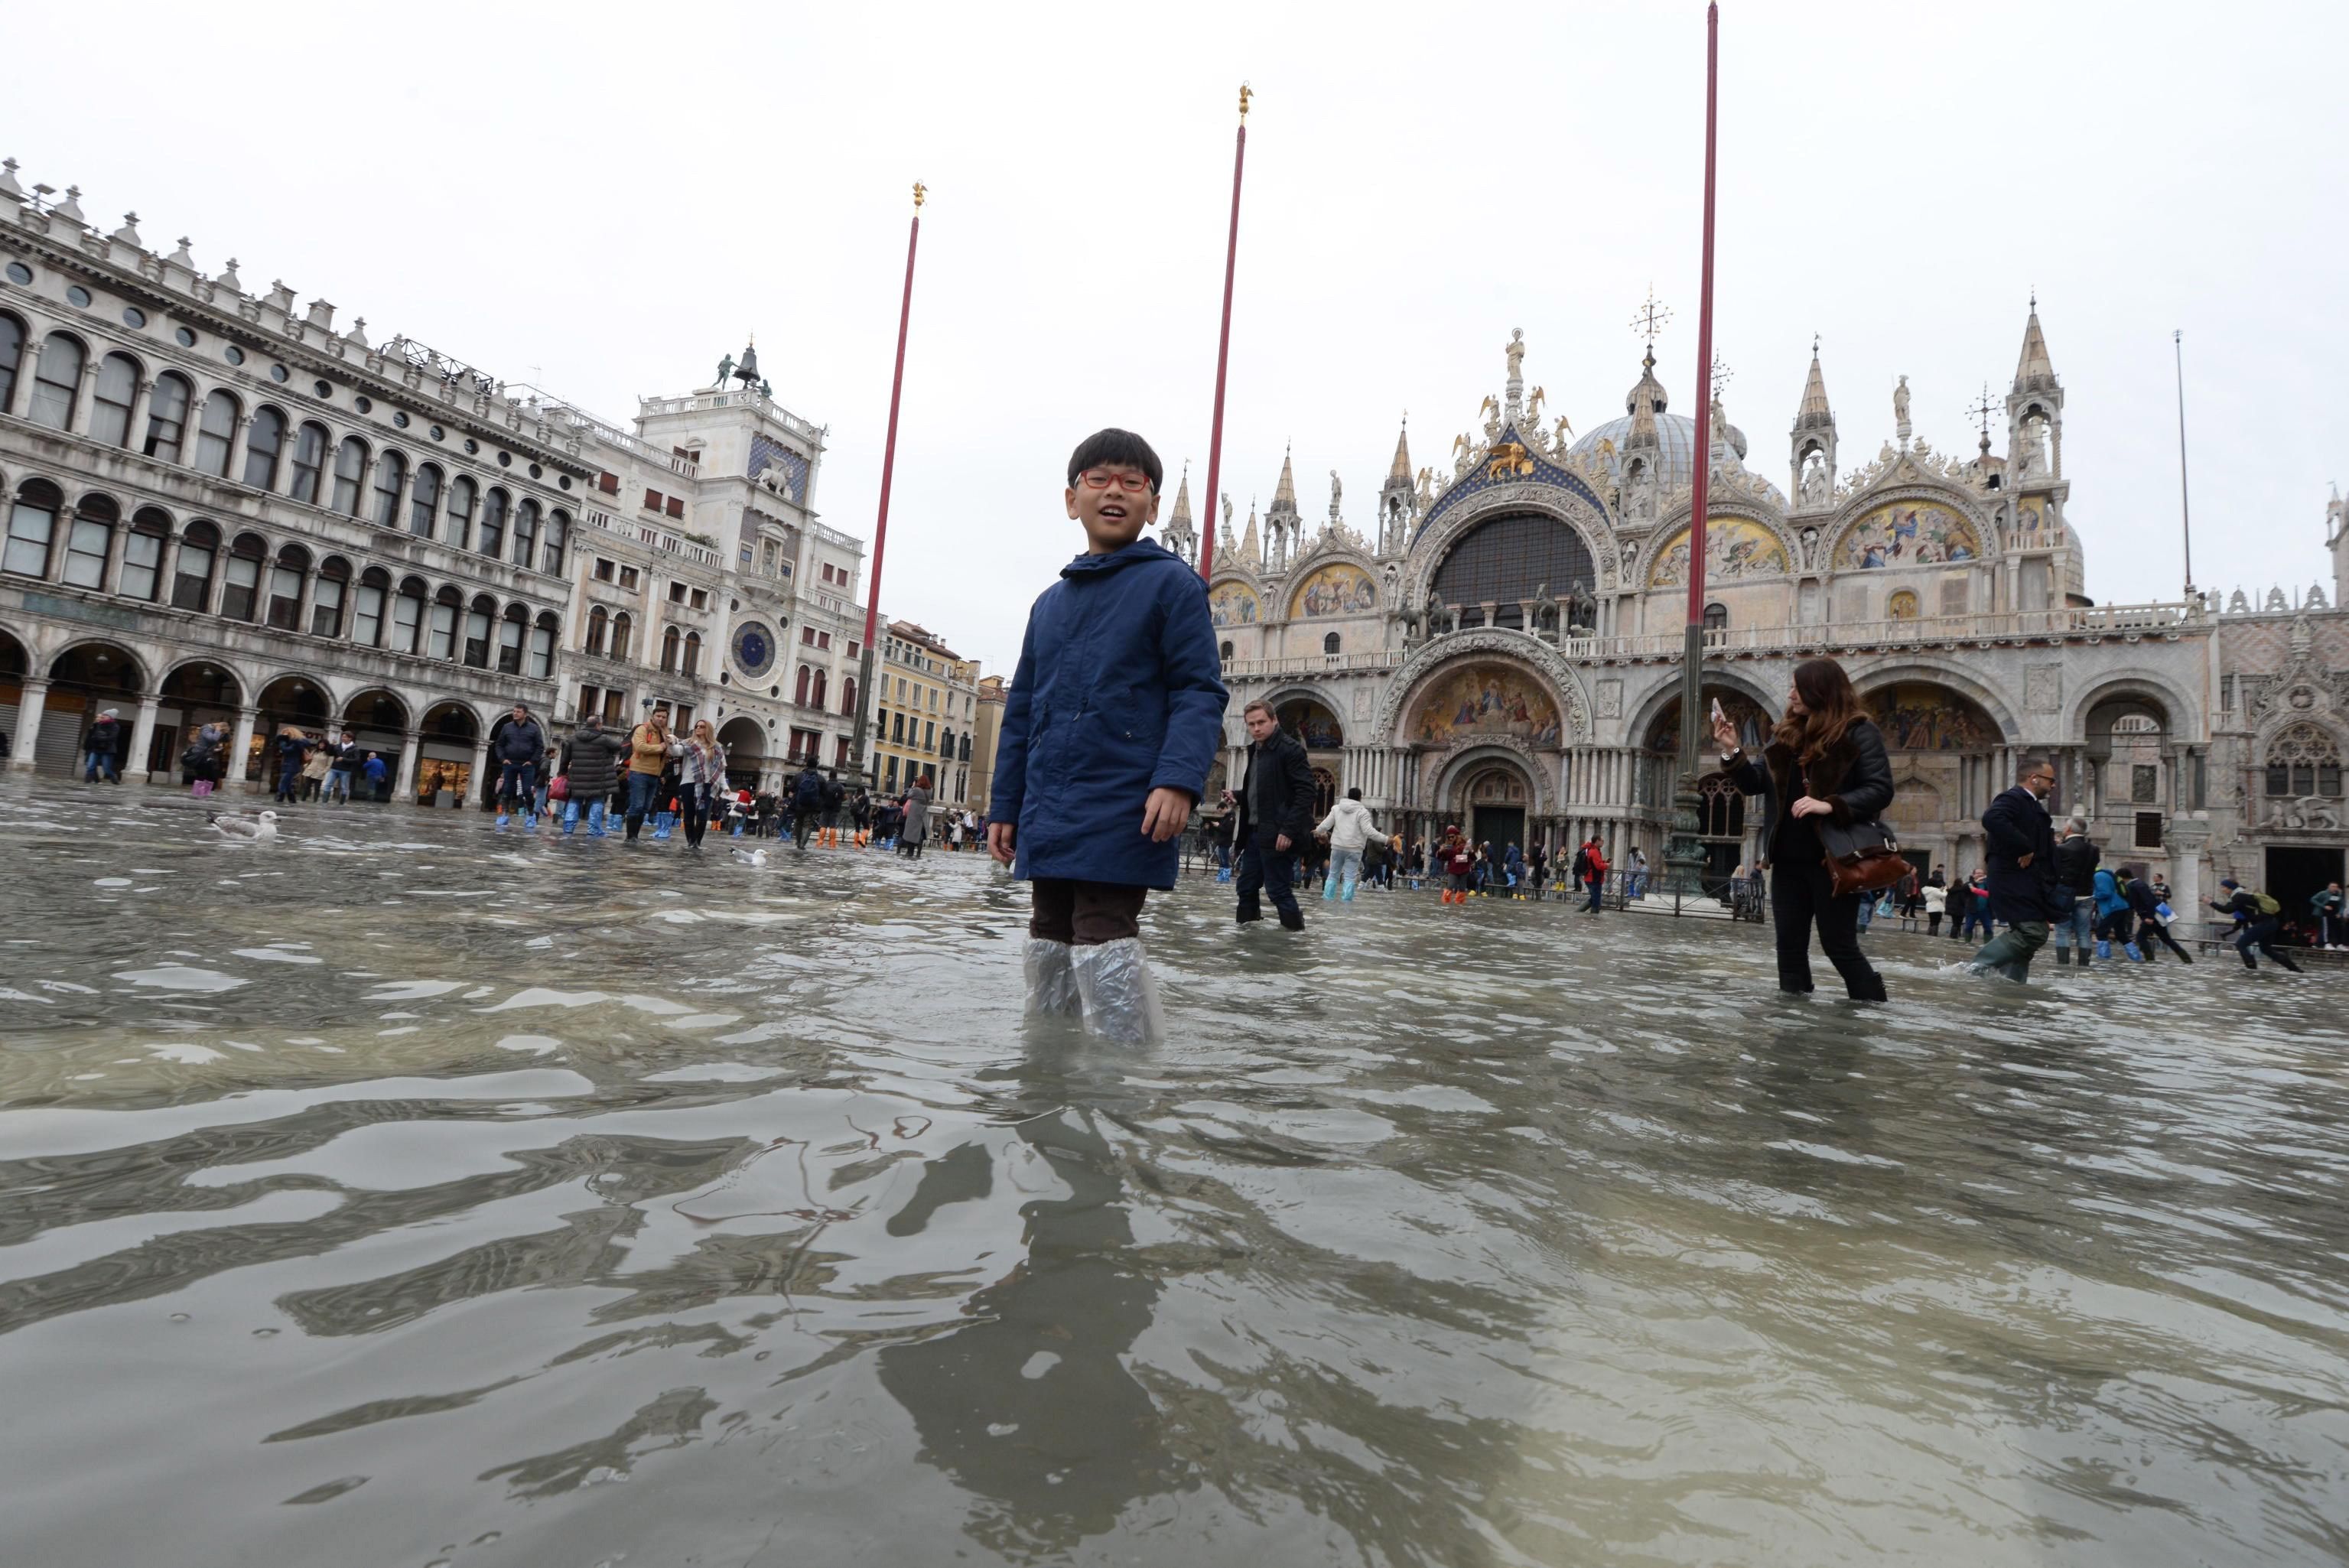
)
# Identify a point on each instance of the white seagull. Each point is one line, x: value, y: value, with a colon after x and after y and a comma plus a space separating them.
x: 246, y: 829
x: 750, y: 857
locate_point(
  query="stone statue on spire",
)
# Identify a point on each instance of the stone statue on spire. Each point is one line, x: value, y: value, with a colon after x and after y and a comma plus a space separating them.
x: 1516, y: 353
x: 1900, y: 410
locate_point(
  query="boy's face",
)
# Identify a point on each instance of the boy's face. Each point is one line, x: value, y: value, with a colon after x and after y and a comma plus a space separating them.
x: 1115, y: 503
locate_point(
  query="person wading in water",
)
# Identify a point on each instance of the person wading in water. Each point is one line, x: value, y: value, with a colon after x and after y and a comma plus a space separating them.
x: 1825, y: 760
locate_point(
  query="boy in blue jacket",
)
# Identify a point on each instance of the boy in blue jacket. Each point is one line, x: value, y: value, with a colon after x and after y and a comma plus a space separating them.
x: 1110, y: 725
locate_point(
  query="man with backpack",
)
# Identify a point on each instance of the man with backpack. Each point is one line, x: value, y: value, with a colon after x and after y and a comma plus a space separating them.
x: 2258, y: 917
x: 807, y: 804
x: 1591, y: 872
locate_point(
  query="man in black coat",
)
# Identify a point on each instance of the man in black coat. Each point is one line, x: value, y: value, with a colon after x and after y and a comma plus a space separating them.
x: 807, y: 804
x: 2076, y: 860
x: 1275, y: 817
x: 2024, y: 892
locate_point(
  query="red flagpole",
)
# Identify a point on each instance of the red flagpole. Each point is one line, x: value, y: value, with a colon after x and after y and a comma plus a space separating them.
x: 888, y: 472
x: 1224, y: 349
x: 1702, y: 478
x: 1692, y: 725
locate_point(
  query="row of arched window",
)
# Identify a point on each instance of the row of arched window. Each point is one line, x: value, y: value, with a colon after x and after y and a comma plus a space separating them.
x: 808, y: 691
x: 243, y: 579
x: 344, y: 477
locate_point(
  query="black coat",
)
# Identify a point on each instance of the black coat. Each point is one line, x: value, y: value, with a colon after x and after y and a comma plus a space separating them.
x: 1854, y: 777
x: 2018, y: 825
x: 2075, y: 867
x: 595, y: 762
x: 1288, y: 791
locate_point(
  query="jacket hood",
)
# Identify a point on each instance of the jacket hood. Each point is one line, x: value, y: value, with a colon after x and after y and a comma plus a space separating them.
x: 1140, y: 550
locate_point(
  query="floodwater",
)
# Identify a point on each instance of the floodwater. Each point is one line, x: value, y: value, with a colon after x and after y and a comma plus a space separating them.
x: 407, y: 1194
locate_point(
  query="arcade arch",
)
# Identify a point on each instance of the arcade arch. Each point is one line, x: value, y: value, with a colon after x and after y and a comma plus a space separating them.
x: 193, y: 694
x: 287, y: 701
x: 746, y: 752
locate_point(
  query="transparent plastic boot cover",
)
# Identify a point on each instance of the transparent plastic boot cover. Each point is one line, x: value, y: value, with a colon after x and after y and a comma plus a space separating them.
x: 1052, y: 988
x: 1121, y: 998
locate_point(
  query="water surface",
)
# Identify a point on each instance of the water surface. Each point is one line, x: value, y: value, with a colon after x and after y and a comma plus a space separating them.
x: 407, y: 1192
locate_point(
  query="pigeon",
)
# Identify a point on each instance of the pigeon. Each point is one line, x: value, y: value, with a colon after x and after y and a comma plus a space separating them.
x: 750, y: 857
x: 246, y: 829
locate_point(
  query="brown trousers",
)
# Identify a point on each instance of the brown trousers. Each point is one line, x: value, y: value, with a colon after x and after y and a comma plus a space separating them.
x: 1084, y: 914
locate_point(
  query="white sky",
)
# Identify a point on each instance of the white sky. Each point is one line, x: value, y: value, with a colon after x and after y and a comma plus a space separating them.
x: 605, y: 199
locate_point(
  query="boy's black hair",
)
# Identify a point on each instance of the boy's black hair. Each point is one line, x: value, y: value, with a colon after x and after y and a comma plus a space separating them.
x: 1122, y: 448
x: 1355, y: 793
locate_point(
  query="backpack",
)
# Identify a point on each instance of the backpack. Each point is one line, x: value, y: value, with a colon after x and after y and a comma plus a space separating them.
x: 2269, y: 907
x: 832, y: 795
x: 807, y: 792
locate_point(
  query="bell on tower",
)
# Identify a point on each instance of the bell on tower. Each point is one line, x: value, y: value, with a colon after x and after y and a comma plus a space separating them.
x: 747, y: 372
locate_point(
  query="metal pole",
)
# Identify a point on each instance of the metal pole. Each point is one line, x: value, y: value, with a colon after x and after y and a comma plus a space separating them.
x: 1685, y: 857
x: 1692, y: 675
x: 2184, y: 514
x: 881, y: 525
x: 1224, y: 348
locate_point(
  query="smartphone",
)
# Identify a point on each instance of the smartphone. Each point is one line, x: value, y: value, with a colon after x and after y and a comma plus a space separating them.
x: 1717, y: 715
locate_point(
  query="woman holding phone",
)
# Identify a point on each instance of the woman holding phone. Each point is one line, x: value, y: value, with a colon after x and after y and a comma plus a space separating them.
x: 1827, y: 760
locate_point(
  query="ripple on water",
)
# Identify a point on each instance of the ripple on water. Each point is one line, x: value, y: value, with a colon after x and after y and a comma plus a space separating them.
x: 1438, y: 1237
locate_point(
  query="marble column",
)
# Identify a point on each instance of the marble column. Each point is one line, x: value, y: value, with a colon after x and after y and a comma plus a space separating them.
x: 403, y: 787
x: 142, y: 737
x: 142, y: 401
x: 240, y: 747
x: 118, y: 536
x: 240, y: 442
x: 85, y: 392
x: 479, y: 782
x: 27, y: 738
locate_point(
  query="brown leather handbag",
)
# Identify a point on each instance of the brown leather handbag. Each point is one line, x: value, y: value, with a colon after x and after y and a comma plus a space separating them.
x: 1861, y: 858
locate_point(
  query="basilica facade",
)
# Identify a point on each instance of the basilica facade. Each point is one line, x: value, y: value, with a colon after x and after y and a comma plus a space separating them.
x: 1501, y: 647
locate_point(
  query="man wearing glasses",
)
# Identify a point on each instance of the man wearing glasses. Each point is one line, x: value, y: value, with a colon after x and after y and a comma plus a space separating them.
x: 2025, y: 892
x: 1113, y: 717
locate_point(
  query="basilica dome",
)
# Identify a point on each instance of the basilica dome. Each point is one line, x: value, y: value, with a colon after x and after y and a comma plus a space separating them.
x: 1676, y: 449
x: 1675, y: 437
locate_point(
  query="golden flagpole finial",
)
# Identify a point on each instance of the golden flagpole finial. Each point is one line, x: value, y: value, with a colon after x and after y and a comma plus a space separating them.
x: 920, y: 191
x: 1245, y: 96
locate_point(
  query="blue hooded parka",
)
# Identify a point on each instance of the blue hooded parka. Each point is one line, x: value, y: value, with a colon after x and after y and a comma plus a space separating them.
x: 1118, y: 692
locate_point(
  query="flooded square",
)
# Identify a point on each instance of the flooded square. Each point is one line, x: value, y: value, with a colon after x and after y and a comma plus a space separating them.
x: 404, y: 1192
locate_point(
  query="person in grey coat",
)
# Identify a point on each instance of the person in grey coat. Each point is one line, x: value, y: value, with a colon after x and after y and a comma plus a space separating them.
x: 593, y: 773
x: 916, y: 830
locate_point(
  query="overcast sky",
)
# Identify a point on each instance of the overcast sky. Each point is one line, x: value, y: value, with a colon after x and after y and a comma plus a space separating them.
x: 605, y: 199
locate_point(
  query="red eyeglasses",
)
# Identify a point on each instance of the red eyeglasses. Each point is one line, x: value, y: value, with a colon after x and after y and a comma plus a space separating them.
x: 1101, y: 479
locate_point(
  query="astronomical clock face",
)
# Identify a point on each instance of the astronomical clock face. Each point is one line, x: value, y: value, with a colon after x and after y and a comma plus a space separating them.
x: 754, y: 649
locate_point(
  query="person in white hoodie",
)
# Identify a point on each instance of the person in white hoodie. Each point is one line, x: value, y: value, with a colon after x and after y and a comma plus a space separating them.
x: 1348, y: 828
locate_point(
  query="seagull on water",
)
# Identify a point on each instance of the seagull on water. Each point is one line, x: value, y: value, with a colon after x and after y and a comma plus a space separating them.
x: 245, y: 830
x: 750, y: 857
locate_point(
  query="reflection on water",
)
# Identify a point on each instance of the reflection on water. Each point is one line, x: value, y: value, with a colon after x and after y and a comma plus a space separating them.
x: 404, y: 1192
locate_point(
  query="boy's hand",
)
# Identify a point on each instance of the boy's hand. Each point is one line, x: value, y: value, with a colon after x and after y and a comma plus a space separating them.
x: 999, y: 838
x: 1165, y: 812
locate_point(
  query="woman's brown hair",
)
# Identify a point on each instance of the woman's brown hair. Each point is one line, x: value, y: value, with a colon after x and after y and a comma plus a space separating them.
x: 1832, y: 709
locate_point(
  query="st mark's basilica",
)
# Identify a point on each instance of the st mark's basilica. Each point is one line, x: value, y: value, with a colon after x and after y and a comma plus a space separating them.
x: 1500, y: 646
